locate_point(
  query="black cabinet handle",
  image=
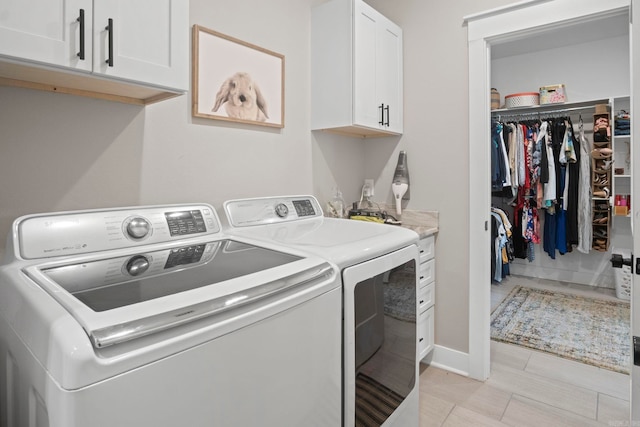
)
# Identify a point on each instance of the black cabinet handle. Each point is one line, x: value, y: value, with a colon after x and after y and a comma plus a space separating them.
x: 386, y: 108
x: 81, y: 21
x: 109, y: 28
x: 381, y: 107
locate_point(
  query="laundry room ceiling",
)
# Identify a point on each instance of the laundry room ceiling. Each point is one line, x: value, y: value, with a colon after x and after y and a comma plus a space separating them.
x: 562, y: 36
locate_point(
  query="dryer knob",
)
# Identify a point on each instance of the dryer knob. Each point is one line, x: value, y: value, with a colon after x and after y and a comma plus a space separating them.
x: 282, y: 210
x: 137, y: 228
x: 137, y: 265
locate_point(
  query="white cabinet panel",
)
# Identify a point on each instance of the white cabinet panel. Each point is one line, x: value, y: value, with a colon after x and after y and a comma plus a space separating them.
x: 427, y: 272
x: 426, y: 296
x: 149, y: 41
x: 389, y: 77
x: 426, y: 247
x: 46, y: 31
x: 425, y: 333
x: 365, y: 99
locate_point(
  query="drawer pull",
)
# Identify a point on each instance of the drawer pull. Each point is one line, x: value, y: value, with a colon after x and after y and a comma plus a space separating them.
x: 421, y: 339
x: 421, y: 301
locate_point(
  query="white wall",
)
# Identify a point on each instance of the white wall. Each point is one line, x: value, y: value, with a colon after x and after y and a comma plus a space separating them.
x: 595, y: 70
x: 61, y: 152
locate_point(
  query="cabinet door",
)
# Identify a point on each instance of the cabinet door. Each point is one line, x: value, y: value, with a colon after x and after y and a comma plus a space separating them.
x: 389, y: 73
x: 46, y: 31
x: 377, y: 70
x: 426, y: 333
x: 148, y: 41
x: 366, y: 105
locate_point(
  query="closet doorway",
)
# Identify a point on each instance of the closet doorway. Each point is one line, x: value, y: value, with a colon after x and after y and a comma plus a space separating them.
x: 524, y: 22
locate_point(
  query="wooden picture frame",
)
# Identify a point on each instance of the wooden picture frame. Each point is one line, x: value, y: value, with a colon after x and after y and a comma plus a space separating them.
x: 236, y: 81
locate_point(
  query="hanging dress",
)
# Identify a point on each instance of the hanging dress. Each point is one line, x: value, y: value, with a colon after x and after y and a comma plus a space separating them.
x: 584, y: 195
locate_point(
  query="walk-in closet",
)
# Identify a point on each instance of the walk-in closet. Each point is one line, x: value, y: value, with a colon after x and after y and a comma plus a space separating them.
x: 559, y: 171
x: 560, y: 182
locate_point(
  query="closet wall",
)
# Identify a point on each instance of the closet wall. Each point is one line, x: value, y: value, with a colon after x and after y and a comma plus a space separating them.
x: 590, y: 70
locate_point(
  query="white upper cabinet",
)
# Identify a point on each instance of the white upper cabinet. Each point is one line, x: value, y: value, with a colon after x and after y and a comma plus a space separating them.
x: 125, y: 50
x: 142, y: 40
x: 47, y: 31
x: 356, y: 70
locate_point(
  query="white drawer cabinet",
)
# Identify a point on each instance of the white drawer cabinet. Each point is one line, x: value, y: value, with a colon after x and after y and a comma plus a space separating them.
x: 124, y: 50
x: 426, y: 296
x: 356, y: 70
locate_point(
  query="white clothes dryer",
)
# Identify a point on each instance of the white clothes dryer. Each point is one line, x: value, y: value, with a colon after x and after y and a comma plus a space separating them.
x: 379, y: 271
x: 151, y: 316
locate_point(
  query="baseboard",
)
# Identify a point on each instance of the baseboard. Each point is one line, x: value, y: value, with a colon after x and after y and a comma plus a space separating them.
x: 448, y: 359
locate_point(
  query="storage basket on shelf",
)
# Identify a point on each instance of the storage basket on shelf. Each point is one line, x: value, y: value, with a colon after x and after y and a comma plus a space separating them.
x: 553, y: 94
x: 495, y: 98
x: 524, y: 99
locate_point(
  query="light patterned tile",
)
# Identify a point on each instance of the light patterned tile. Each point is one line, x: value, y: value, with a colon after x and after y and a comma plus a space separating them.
x: 613, y: 411
x: 488, y: 401
x: 555, y: 393
x: 514, y: 356
x: 587, y: 376
x: 462, y: 417
x: 523, y: 412
x: 447, y: 385
x: 433, y: 411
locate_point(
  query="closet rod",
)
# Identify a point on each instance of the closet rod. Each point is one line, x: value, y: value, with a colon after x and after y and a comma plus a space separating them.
x: 542, y: 113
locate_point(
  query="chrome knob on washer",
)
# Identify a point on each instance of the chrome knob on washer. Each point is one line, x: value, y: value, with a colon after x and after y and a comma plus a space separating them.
x: 138, y: 228
x: 282, y: 210
x: 137, y: 265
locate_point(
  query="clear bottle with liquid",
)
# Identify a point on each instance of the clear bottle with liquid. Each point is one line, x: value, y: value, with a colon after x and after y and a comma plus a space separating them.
x: 336, y: 205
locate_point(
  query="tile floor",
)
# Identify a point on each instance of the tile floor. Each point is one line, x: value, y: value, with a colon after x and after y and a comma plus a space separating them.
x: 527, y: 387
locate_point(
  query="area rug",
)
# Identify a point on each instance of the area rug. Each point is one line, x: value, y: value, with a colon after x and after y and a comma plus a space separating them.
x: 584, y: 329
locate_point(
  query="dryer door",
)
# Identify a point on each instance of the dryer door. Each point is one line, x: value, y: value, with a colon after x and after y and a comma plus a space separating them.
x: 380, y: 339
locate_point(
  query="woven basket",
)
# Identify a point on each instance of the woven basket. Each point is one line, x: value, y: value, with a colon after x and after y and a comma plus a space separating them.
x: 524, y: 99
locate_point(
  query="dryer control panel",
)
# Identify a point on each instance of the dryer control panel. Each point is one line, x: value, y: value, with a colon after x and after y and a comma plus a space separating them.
x: 81, y: 232
x: 269, y: 210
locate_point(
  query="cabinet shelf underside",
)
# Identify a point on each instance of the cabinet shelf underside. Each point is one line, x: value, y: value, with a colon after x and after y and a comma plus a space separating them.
x: 80, y: 84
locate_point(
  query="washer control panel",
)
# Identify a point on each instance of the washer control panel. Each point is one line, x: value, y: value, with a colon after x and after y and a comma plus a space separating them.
x: 269, y: 210
x: 80, y: 232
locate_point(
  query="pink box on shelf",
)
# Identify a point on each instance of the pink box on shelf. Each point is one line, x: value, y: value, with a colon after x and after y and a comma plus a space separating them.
x: 553, y: 94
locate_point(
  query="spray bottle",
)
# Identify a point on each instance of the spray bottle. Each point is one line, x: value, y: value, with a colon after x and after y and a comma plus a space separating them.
x: 400, y: 183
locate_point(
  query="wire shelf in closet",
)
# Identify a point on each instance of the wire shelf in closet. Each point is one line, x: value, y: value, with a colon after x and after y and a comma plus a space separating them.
x: 539, y: 111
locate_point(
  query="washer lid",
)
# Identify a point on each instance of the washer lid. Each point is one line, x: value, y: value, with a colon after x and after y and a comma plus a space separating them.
x: 342, y: 241
x: 121, y: 298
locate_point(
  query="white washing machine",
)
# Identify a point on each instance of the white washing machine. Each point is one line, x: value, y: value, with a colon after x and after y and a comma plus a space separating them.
x: 379, y: 270
x: 151, y: 316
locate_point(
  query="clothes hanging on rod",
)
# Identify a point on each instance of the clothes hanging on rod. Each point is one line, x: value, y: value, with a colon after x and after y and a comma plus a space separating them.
x: 544, y: 171
x: 502, y: 244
